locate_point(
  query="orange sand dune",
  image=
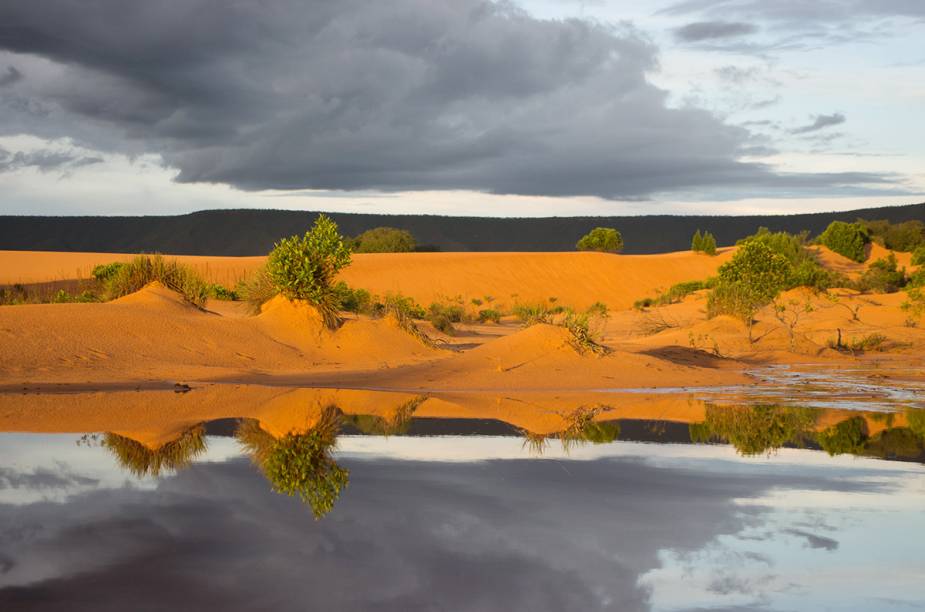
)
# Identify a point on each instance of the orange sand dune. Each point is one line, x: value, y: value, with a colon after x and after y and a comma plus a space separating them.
x: 153, y: 335
x: 573, y: 279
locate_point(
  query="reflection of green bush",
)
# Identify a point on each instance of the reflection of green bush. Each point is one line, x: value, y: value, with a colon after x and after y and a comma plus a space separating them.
x: 896, y: 443
x: 143, y: 461
x: 601, y: 433
x: 375, y: 425
x: 756, y: 430
x: 916, y: 419
x: 846, y: 437
x: 300, y: 464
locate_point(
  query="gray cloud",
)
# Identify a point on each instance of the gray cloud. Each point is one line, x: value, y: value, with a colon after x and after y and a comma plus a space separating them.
x: 820, y: 122
x: 9, y: 76
x: 795, y: 10
x: 710, y: 30
x: 44, y: 160
x: 813, y: 540
x: 42, y: 479
x: 353, y: 95
x: 405, y: 535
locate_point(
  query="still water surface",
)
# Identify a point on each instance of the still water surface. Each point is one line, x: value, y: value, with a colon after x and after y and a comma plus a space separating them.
x: 479, y: 521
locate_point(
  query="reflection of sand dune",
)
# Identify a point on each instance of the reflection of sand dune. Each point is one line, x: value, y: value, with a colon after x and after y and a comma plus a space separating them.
x: 156, y: 417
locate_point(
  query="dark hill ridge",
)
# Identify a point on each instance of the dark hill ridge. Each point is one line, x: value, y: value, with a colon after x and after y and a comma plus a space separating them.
x: 253, y: 232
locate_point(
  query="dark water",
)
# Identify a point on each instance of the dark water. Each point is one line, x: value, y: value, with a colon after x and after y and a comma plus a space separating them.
x: 472, y: 522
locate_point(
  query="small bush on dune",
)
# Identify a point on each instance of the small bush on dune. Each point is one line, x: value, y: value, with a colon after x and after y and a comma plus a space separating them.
x: 220, y: 292
x: 489, y: 315
x: 304, y: 267
x: 583, y: 338
x: 914, y: 306
x: 603, y: 239
x: 905, y: 237
x: 384, y: 240
x: 747, y: 282
x: 405, y: 311
x: 918, y: 256
x: 531, y: 314
x: 104, y: 272
x: 598, y: 309
x: 703, y: 243
x: 357, y: 301
x: 882, y: 276
x: 145, y: 269
x: 847, y: 239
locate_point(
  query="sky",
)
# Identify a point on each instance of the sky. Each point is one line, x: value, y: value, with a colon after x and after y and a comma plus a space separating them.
x: 461, y: 107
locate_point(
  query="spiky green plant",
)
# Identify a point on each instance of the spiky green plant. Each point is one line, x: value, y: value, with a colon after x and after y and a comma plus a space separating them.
x: 145, y: 269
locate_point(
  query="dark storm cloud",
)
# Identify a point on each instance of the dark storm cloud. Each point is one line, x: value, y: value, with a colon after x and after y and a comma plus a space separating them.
x: 353, y: 95
x: 709, y: 30
x: 9, y: 76
x: 44, y: 160
x: 820, y: 122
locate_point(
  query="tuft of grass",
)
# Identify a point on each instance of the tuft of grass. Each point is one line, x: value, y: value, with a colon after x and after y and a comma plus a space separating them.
x: 257, y: 289
x: 143, y: 461
x: 598, y: 309
x: 863, y: 344
x: 583, y: 338
x: 532, y: 314
x: 489, y: 314
x: 405, y: 311
x: 580, y: 427
x: 145, y: 269
x: 104, y: 272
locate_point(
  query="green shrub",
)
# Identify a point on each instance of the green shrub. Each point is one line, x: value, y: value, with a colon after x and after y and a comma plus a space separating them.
x: 453, y: 312
x: 697, y: 242
x: 489, y: 314
x: 603, y: 239
x: 384, y: 240
x: 219, y: 292
x: 805, y: 270
x: 304, y: 268
x: 442, y: 323
x: 104, y: 272
x: 144, y: 269
x: 905, y: 236
x: 747, y: 282
x: 703, y: 243
x: 918, y: 256
x: 917, y: 279
x: 403, y: 306
x: 846, y: 437
x: 914, y: 306
x: 598, y: 309
x: 848, y: 239
x: 358, y: 301
x: 882, y: 276
x: 895, y: 443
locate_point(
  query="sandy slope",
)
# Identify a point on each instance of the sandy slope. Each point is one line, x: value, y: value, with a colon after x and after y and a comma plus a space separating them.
x: 574, y: 279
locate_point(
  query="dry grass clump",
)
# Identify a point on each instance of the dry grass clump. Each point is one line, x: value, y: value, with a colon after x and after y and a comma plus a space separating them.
x: 862, y: 344
x: 535, y: 443
x: 404, y: 310
x: 584, y: 339
x: 143, y: 461
x: 144, y: 269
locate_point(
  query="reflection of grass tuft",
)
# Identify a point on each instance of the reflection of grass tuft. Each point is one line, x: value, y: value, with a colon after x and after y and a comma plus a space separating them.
x: 536, y: 443
x: 143, y: 461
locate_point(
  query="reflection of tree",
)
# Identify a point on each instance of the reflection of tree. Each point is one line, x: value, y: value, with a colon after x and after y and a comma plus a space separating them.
x: 895, y: 443
x: 846, y: 437
x: 300, y: 463
x: 143, y: 461
x: 755, y: 430
x: 580, y: 427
